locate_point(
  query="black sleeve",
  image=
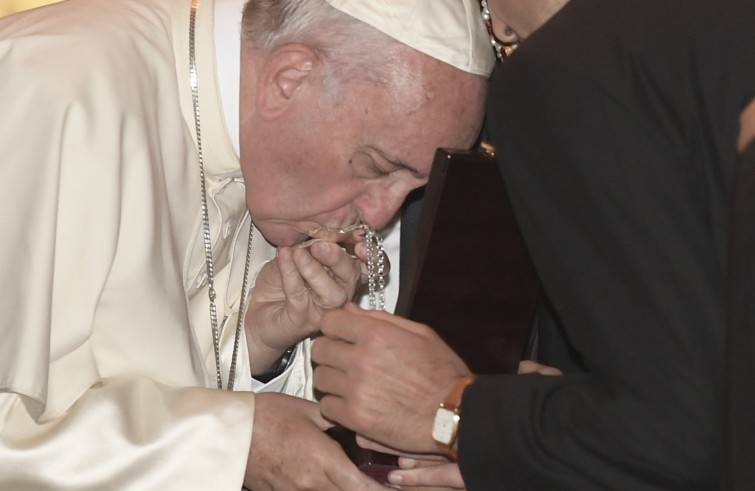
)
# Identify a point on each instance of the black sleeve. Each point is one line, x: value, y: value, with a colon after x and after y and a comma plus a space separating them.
x: 740, y: 414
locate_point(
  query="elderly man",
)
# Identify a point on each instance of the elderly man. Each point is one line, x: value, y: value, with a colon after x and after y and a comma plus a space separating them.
x: 135, y: 135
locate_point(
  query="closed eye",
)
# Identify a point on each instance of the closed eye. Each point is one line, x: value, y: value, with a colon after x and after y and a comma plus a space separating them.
x: 367, y: 165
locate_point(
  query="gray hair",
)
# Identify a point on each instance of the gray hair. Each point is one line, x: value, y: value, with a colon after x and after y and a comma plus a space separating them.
x: 351, y: 47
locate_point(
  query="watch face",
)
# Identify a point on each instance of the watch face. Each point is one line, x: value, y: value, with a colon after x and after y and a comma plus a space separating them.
x: 444, y: 428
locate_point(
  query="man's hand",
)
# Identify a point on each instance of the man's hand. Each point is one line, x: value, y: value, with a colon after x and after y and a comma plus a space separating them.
x: 290, y: 296
x: 383, y: 376
x: 290, y: 450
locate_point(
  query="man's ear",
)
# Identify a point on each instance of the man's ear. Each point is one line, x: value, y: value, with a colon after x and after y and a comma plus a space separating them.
x: 283, y: 78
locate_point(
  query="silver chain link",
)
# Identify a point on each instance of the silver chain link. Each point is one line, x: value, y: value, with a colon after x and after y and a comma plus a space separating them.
x: 206, y: 227
x: 375, y: 269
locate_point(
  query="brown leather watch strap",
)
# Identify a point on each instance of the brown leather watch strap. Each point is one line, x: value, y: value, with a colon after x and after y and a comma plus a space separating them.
x: 453, y: 402
x: 454, y: 397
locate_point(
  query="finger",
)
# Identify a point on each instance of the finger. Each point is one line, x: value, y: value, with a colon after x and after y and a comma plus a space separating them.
x: 406, y: 458
x: 396, y: 320
x: 338, y: 469
x: 345, y: 476
x: 329, y: 380
x: 335, y: 408
x: 360, y: 251
x: 443, y: 475
x: 341, y: 471
x: 344, y: 267
x: 333, y: 385
x: 352, y: 323
x: 340, y: 324
x: 293, y: 284
x: 312, y: 410
x: 370, y: 444
x: 326, y: 291
x: 354, y: 326
x: 309, y: 409
x: 410, y: 461
x: 332, y: 353
x: 528, y: 366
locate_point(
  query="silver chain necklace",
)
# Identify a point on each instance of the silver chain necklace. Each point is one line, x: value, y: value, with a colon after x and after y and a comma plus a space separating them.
x: 375, y: 269
x: 206, y: 228
x: 377, y: 264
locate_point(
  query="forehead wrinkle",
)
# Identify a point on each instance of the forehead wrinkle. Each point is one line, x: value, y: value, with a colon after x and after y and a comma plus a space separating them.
x: 409, y: 83
x: 429, y: 96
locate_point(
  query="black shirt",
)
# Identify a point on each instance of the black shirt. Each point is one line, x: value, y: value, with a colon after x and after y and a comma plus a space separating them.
x: 616, y: 127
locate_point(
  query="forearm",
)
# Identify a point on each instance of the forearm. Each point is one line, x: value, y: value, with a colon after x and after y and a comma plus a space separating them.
x: 262, y: 358
x: 579, y: 432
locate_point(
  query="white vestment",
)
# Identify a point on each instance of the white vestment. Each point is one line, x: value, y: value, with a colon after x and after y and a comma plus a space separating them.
x: 106, y: 357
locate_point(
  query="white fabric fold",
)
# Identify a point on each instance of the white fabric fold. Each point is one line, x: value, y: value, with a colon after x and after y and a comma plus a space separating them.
x: 129, y: 433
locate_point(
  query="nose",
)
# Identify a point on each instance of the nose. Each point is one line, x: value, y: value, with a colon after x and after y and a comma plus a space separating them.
x: 380, y: 204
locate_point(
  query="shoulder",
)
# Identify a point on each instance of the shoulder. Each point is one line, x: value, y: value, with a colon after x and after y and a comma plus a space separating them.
x: 649, y: 63
x: 76, y: 40
x: 87, y: 54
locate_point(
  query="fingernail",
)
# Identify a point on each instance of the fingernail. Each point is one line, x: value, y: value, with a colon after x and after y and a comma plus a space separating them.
x: 324, y: 248
x: 395, y: 478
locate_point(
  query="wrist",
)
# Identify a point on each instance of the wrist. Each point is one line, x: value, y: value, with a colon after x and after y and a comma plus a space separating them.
x: 264, y: 354
x: 280, y: 366
x: 448, y: 418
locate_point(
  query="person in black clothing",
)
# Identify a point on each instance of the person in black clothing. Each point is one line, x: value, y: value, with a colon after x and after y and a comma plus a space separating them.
x: 616, y: 126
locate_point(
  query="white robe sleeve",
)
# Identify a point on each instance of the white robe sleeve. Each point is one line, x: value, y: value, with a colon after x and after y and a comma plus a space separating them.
x: 129, y: 433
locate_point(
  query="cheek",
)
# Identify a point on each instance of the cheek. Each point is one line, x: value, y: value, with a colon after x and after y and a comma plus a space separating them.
x: 302, y: 197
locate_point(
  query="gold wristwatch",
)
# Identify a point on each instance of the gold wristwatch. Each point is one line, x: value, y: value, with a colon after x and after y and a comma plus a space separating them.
x: 448, y: 416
